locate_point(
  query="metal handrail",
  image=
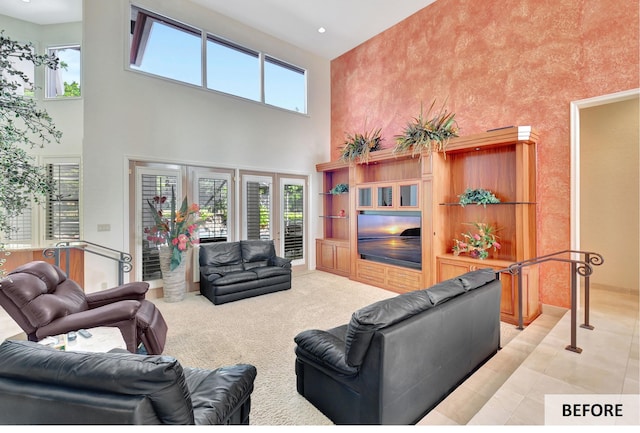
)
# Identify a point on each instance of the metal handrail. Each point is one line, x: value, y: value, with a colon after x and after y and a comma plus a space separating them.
x: 583, y: 268
x: 124, y: 259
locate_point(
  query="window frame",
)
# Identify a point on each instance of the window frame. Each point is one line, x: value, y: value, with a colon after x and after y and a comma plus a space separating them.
x: 38, y: 218
x: 136, y: 45
x: 49, y: 75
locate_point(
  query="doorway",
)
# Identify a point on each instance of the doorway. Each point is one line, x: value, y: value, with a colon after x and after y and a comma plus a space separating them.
x: 605, y: 185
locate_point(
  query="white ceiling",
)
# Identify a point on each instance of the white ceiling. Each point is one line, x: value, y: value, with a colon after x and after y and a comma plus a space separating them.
x: 348, y: 23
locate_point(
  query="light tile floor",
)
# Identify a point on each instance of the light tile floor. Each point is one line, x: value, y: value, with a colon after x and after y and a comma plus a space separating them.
x: 510, y: 388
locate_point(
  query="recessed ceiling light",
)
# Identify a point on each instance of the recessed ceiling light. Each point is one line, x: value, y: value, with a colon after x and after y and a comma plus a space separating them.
x: 322, y: 30
x: 26, y: 1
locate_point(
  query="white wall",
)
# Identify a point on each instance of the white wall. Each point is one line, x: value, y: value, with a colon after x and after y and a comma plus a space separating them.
x: 66, y: 113
x: 131, y: 115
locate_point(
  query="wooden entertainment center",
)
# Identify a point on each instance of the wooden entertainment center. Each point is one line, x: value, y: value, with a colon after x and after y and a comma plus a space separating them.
x: 502, y: 161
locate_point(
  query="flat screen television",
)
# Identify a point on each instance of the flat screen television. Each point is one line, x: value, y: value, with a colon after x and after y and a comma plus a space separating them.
x: 390, y: 237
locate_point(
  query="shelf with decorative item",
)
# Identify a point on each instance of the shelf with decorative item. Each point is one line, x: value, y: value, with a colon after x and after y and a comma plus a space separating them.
x: 335, y: 216
x: 489, y: 204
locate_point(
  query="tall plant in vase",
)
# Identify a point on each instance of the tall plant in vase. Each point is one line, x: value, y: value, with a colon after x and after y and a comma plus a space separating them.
x: 174, y: 234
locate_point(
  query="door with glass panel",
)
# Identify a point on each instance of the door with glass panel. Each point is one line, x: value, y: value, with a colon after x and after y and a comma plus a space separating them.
x: 153, y: 194
x: 257, y: 207
x: 276, y: 214
x: 292, y: 219
x: 213, y: 192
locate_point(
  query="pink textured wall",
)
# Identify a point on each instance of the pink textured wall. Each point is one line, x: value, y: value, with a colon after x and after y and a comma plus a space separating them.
x: 496, y: 63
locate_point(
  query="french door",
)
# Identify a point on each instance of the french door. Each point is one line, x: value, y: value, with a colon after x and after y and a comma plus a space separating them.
x: 271, y: 206
x: 274, y: 207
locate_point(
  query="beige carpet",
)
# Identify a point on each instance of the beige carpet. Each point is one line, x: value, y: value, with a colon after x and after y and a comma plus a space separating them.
x: 260, y: 331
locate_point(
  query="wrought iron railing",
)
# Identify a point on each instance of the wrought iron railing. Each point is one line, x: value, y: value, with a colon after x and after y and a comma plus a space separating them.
x: 581, y: 266
x: 123, y: 259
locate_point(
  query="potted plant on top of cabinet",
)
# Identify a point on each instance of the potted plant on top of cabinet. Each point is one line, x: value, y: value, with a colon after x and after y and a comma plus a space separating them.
x: 358, y: 146
x: 427, y: 133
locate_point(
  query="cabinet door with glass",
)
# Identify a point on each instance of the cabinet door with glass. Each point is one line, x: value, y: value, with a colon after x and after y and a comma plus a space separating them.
x: 364, y: 197
x: 408, y: 195
x: 385, y: 196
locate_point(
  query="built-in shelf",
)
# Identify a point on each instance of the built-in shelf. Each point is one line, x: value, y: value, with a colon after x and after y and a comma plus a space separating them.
x: 334, y: 193
x: 334, y: 216
x: 488, y: 204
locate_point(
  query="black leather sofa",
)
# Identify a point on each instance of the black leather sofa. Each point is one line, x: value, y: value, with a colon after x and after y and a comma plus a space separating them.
x: 399, y: 357
x: 230, y: 271
x: 41, y: 385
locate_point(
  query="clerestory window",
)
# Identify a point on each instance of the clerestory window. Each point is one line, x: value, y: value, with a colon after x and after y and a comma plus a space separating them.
x: 167, y: 48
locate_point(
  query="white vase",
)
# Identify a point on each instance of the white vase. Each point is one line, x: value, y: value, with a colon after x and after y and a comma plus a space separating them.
x: 174, y: 284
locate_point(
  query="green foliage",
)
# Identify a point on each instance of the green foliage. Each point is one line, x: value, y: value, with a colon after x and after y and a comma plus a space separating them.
x: 22, y: 124
x: 359, y: 146
x: 426, y: 133
x: 340, y: 188
x: 479, y: 196
x: 72, y: 89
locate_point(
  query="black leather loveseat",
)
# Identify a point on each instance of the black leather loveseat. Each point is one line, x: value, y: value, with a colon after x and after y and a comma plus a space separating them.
x: 399, y: 357
x: 41, y: 385
x: 230, y: 271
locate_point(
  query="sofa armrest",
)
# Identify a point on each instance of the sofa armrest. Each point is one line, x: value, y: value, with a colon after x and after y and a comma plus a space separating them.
x: 324, y: 349
x: 282, y: 262
x: 130, y: 291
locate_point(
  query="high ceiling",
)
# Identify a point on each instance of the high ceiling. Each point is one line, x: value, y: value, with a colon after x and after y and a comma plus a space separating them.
x: 348, y: 23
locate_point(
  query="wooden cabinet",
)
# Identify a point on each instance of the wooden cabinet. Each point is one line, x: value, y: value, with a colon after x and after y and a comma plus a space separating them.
x: 388, y: 196
x: 451, y: 266
x: 333, y: 256
x: 395, y: 278
x: 501, y: 161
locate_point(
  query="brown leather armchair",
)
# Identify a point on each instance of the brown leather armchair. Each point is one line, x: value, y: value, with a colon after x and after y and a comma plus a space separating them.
x: 43, y: 302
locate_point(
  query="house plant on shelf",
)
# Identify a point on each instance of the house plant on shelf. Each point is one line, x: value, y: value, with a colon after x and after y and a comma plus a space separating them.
x: 477, y: 244
x: 427, y: 133
x: 174, y: 234
x: 478, y: 196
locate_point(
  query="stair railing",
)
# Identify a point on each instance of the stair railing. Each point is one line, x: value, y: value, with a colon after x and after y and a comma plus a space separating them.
x: 582, y: 266
x: 124, y: 260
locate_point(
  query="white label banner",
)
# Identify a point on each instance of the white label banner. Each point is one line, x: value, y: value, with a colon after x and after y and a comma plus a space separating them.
x: 591, y: 409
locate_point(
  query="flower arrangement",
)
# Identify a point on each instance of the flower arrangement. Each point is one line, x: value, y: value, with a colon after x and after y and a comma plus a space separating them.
x: 178, y: 230
x: 477, y: 244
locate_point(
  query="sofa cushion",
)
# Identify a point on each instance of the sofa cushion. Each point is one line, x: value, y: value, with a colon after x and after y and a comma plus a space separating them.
x: 270, y: 271
x: 474, y: 279
x: 439, y: 293
x: 235, y: 277
x: 159, y: 378
x: 257, y: 264
x: 213, y: 272
x: 257, y: 250
x: 220, y: 254
x: 378, y: 315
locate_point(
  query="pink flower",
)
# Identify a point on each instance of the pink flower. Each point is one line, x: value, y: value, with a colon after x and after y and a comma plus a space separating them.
x: 476, y: 237
x: 496, y: 245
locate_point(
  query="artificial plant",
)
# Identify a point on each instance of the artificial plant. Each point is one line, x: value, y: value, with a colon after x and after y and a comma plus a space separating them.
x: 22, y: 126
x: 427, y: 133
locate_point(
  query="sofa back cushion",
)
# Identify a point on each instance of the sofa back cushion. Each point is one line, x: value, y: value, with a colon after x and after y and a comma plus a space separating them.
x: 221, y: 254
x: 159, y: 378
x: 42, y: 293
x: 378, y: 315
x: 474, y: 279
x: 257, y: 253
